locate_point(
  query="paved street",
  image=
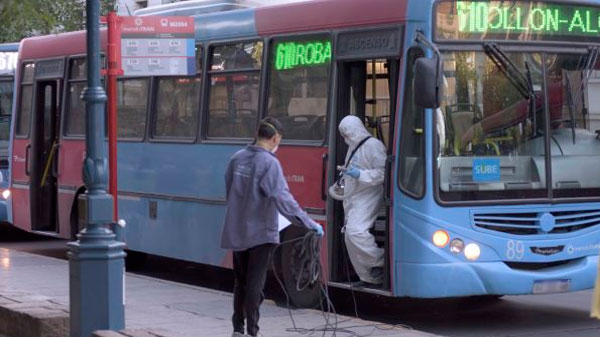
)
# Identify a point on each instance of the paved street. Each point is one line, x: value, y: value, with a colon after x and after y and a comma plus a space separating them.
x: 519, y: 316
x: 160, y: 304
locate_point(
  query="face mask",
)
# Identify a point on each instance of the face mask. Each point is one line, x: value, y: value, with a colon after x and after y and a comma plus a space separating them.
x: 275, y: 149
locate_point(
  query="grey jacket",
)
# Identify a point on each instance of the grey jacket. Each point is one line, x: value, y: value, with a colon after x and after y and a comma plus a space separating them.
x: 256, y: 190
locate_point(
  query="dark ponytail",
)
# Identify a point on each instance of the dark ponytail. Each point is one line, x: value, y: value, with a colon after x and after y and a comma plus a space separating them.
x: 269, y: 127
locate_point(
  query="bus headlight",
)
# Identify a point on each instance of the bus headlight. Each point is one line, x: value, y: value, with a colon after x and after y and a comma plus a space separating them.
x: 6, y: 194
x: 457, y: 246
x: 440, y: 238
x: 472, y: 251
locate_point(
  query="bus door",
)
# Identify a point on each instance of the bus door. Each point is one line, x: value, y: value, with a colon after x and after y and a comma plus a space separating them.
x: 44, y: 147
x: 367, y: 80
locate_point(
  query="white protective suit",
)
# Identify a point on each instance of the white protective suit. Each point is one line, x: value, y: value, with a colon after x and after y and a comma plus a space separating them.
x: 362, y: 206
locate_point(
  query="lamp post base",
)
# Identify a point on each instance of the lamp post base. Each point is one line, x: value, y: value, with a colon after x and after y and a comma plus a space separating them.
x: 96, y: 276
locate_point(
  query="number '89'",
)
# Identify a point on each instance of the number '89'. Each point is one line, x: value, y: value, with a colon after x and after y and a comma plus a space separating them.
x: 515, y: 249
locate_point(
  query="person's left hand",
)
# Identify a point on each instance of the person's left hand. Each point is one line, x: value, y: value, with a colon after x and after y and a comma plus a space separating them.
x: 353, y: 172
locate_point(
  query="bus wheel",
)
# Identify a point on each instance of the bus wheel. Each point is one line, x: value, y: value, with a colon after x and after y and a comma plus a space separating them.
x: 135, y: 260
x: 292, y: 260
x: 76, y: 227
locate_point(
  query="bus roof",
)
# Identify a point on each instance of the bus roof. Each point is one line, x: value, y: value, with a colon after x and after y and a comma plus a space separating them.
x: 9, y: 47
x: 47, y: 46
x: 249, y: 22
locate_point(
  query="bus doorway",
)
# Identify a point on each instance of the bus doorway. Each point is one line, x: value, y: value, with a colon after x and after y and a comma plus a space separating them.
x: 367, y: 89
x: 44, y: 153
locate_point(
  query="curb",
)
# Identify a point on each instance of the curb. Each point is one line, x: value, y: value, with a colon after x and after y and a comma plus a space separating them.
x: 27, y: 315
x: 135, y: 333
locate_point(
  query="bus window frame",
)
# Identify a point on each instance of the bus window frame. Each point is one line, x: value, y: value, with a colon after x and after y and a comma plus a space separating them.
x: 153, y: 113
x: 149, y: 101
x: 507, y: 46
x: 19, y: 88
x: 527, y: 43
x: 66, y: 111
x: 267, y: 81
x: 204, y: 117
x: 399, y: 133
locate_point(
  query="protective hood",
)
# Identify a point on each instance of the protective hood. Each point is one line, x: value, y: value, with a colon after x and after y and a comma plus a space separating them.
x: 353, y: 130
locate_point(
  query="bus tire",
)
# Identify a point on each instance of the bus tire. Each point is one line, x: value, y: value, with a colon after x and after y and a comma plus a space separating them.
x: 310, y: 297
x: 76, y: 227
x: 135, y: 260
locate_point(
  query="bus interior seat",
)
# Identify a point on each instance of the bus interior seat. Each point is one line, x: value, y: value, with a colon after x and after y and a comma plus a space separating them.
x: 306, y: 127
x: 241, y: 125
x: 461, y: 117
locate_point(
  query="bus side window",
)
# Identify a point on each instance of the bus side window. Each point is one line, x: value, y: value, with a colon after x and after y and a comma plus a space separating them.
x: 411, y: 176
x: 177, y: 99
x: 299, y: 91
x: 234, y: 77
x: 24, y: 118
x: 75, y: 114
x: 132, y: 94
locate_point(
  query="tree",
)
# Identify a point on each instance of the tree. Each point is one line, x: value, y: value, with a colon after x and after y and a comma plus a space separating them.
x: 25, y: 18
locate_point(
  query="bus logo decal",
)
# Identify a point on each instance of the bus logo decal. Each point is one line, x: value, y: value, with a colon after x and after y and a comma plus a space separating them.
x: 486, y: 169
x: 547, y: 251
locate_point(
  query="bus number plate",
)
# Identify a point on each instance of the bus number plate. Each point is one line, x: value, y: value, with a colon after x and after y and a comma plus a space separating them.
x: 551, y: 286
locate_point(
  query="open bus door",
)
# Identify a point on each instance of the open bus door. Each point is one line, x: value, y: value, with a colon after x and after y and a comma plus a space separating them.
x: 44, y: 145
x: 367, y: 87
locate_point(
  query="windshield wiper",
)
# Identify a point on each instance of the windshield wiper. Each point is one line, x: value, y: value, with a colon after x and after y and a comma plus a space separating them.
x: 571, y: 106
x: 522, y: 82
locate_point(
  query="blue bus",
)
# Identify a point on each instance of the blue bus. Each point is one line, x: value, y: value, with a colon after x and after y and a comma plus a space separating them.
x: 8, y: 65
x: 491, y: 185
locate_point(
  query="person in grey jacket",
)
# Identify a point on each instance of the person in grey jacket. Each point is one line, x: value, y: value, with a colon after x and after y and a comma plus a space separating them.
x: 256, y: 192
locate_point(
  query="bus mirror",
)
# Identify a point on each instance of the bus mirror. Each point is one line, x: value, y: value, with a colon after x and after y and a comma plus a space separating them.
x: 427, y: 83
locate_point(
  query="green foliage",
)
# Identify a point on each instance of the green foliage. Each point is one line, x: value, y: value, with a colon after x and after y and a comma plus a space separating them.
x: 24, y: 18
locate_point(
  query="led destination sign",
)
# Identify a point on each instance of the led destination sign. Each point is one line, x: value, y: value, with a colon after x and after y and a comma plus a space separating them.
x: 291, y: 55
x: 502, y: 20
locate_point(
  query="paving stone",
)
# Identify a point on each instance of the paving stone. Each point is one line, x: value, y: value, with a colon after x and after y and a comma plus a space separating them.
x: 106, y: 333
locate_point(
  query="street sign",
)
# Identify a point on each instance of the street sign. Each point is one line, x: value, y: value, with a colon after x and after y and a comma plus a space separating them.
x: 155, y: 46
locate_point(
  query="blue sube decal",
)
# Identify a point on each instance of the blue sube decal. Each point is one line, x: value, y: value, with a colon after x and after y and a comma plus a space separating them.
x: 486, y: 169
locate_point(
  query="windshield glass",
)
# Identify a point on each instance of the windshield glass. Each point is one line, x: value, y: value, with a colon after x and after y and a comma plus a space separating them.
x: 490, y: 126
x: 574, y: 121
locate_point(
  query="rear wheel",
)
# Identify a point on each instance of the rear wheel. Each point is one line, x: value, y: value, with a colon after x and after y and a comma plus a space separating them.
x: 76, y: 226
x: 135, y: 260
x: 292, y: 256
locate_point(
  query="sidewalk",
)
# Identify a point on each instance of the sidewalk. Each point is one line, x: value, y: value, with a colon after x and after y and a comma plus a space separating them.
x: 184, y: 310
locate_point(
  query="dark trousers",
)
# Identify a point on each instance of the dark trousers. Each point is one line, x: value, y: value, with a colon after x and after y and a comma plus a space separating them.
x: 250, y: 271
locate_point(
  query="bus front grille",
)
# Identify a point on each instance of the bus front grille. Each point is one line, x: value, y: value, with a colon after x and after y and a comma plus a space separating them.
x: 530, y: 223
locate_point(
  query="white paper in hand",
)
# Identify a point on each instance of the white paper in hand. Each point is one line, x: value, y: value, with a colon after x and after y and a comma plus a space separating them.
x: 283, y: 222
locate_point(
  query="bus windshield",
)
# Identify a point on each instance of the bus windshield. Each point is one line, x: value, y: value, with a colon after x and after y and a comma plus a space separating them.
x: 491, y: 126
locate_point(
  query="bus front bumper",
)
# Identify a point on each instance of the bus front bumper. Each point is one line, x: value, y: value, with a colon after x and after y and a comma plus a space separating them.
x: 492, y: 278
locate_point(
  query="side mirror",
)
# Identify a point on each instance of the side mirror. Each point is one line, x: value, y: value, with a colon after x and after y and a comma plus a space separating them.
x: 428, y: 82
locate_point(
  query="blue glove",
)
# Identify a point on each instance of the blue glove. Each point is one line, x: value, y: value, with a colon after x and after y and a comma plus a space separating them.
x: 317, y: 228
x: 353, y: 172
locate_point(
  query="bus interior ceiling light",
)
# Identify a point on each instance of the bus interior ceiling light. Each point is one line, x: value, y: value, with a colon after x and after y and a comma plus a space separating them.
x: 440, y: 238
x: 472, y: 251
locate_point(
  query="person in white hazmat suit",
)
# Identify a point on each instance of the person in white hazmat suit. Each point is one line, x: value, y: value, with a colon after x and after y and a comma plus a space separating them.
x: 364, y: 182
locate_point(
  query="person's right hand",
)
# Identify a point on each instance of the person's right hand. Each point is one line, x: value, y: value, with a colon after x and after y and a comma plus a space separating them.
x: 317, y: 228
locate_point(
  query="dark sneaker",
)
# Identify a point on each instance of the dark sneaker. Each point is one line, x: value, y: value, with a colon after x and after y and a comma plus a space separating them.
x: 363, y: 284
x: 377, y: 273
